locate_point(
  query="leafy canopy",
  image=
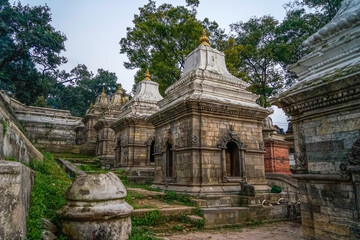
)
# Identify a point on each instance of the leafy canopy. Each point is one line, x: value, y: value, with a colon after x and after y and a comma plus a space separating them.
x: 161, y: 39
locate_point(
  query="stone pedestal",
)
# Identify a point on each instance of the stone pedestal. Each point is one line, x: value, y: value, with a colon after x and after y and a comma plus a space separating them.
x: 16, y: 181
x: 96, y: 209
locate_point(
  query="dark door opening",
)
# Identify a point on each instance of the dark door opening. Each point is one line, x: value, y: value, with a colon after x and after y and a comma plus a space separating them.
x: 169, y: 161
x: 232, y: 160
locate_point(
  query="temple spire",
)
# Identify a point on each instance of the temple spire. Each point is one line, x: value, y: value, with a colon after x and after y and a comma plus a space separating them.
x: 147, y: 75
x: 103, y: 90
x: 120, y: 88
x: 204, y: 39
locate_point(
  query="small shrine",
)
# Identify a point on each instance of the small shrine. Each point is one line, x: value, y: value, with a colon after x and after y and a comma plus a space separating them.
x: 135, y: 134
x: 208, y: 136
x: 105, y: 143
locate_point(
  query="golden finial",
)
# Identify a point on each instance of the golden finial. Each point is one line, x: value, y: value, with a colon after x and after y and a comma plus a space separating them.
x: 91, y: 105
x: 204, y: 39
x: 147, y: 75
x: 103, y: 90
x: 120, y: 87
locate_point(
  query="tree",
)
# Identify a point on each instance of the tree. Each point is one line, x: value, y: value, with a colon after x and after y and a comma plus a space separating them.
x: 29, y: 48
x: 161, y: 39
x: 260, y: 50
x: 250, y: 55
x: 77, y: 96
x: 301, y: 23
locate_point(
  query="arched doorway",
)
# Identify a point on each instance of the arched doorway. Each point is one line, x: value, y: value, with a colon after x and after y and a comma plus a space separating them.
x: 152, y: 151
x: 233, y: 168
x: 169, y: 161
x: 117, y: 162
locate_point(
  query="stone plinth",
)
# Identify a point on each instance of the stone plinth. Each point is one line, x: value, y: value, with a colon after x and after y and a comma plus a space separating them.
x: 96, y: 209
x: 325, y: 113
x: 16, y: 181
x: 135, y: 138
x: 208, y: 131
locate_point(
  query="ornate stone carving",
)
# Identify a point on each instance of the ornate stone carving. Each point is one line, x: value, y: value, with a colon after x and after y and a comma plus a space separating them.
x: 168, y: 140
x: 150, y: 140
x: 354, y: 158
x: 301, y: 157
x: 231, y: 136
x: 194, y: 140
x: 130, y: 140
x: 261, y: 145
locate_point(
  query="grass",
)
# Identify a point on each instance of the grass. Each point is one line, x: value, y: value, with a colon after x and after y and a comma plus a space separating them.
x: 141, y: 234
x: 70, y: 155
x: 171, y: 197
x: 47, y: 196
x: 4, y: 125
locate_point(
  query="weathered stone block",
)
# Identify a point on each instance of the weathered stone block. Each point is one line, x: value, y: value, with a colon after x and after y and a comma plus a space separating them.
x: 16, y: 182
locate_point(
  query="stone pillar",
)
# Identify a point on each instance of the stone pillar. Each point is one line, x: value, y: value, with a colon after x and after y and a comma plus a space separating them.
x: 16, y: 181
x: 96, y: 209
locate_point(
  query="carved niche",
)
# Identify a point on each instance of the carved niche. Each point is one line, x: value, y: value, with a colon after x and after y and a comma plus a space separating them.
x: 354, y: 159
x: 301, y: 158
x: 231, y: 136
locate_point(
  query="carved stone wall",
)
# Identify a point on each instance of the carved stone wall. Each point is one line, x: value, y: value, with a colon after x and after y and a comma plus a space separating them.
x: 105, y: 144
x: 132, y: 143
x: 198, y: 138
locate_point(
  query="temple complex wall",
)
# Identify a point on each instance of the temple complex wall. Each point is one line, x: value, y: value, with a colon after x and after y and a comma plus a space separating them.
x: 48, y: 129
x: 13, y: 142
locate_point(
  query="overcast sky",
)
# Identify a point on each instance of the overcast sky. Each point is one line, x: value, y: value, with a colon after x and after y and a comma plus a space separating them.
x: 94, y: 28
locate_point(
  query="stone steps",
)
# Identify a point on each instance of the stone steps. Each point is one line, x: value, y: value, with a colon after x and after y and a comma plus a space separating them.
x: 176, y: 211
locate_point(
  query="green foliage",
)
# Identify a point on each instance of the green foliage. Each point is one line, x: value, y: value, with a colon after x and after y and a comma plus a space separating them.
x: 250, y: 55
x: 138, y: 233
x: 4, y: 125
x: 178, y: 228
x: 12, y: 159
x: 28, y: 43
x: 161, y: 38
x: 82, y: 89
x: 47, y: 196
x: 171, y: 196
x: 151, y: 218
x: 40, y: 102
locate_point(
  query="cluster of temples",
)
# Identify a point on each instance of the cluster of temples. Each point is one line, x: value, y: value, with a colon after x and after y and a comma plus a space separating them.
x: 209, y: 138
x: 206, y: 135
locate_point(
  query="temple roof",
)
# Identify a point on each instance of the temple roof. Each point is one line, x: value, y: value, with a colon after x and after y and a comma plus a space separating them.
x: 144, y: 102
x: 206, y: 78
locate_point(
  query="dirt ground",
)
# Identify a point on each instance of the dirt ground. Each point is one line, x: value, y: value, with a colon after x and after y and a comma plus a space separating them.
x: 276, y: 231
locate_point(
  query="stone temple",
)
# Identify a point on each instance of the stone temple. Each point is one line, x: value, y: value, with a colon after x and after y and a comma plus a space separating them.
x: 325, y: 114
x: 135, y: 134
x: 208, y: 131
